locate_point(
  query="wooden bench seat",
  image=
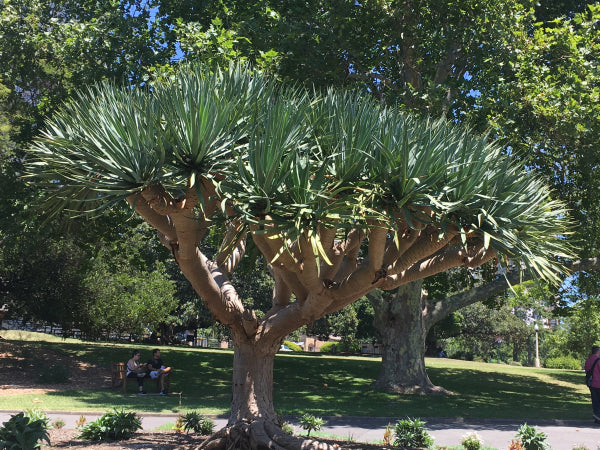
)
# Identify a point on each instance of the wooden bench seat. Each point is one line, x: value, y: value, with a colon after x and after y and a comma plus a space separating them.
x: 119, y: 377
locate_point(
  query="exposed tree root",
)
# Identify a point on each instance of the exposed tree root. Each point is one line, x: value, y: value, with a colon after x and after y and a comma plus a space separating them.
x: 418, y: 389
x: 259, y: 435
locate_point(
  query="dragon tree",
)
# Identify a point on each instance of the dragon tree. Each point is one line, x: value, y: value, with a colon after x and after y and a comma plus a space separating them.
x: 339, y: 194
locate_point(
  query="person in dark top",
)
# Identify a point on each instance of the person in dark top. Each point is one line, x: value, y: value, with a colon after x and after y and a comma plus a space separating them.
x: 594, y: 363
x: 158, y: 370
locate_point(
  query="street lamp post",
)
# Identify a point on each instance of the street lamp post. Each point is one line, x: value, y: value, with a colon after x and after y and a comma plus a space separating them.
x: 537, y: 351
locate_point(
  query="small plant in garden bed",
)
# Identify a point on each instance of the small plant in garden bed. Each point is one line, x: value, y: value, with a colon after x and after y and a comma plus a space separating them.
x: 20, y: 432
x: 58, y: 423
x: 79, y: 423
x: 310, y: 422
x: 472, y: 441
x: 388, y: 434
x: 412, y: 433
x: 284, y: 424
x: 531, y: 438
x: 516, y: 444
x: 112, y: 426
x: 178, y: 427
x: 193, y: 421
x: 34, y: 414
x: 287, y: 428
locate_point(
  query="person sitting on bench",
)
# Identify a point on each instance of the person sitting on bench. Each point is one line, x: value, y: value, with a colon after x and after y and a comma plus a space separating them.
x: 158, y: 370
x: 137, y: 370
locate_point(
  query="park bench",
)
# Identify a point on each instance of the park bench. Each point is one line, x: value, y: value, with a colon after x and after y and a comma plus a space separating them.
x: 119, y: 377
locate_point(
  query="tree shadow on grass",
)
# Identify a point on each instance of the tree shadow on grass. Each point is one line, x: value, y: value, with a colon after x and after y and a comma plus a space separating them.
x: 338, y: 386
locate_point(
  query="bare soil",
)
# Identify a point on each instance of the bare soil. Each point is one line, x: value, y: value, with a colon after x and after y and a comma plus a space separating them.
x: 20, y: 368
x: 163, y: 440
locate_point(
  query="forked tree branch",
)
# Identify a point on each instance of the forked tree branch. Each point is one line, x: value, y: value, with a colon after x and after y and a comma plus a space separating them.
x: 441, y: 308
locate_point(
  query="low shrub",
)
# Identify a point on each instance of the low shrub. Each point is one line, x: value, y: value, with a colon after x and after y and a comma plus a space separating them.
x: 348, y: 346
x: 34, y: 414
x: 58, y: 423
x: 531, y: 438
x: 112, y: 426
x: 563, y: 362
x: 412, y: 433
x: 328, y: 347
x: 292, y: 346
x: 310, y: 422
x: 461, y: 354
x: 193, y: 421
x: 471, y: 441
x: 20, y: 432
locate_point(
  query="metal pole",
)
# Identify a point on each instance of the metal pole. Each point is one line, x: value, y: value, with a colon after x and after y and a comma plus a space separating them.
x: 537, y: 350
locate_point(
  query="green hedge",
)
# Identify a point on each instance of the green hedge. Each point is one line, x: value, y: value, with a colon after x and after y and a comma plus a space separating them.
x: 563, y: 362
x: 292, y: 346
x: 327, y: 347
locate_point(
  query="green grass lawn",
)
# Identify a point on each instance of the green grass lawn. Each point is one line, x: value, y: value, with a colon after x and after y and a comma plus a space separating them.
x: 320, y: 385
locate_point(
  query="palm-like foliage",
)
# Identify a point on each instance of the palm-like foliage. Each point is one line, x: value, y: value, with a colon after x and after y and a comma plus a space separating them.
x: 100, y: 148
x: 292, y: 161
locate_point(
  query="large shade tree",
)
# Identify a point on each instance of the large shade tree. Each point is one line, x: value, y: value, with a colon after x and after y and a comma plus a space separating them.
x: 340, y: 194
x: 404, y: 317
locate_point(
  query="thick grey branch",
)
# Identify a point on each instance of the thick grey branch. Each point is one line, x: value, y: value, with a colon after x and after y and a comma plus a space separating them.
x: 441, y: 308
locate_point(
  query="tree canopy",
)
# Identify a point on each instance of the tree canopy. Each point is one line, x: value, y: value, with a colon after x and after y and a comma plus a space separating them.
x: 282, y: 162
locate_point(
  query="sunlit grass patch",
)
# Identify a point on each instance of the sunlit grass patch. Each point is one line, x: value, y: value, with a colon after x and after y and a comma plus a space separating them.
x: 323, y: 385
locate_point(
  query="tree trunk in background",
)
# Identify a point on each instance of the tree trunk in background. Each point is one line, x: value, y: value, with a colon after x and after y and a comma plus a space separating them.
x: 400, y: 320
x: 404, y: 317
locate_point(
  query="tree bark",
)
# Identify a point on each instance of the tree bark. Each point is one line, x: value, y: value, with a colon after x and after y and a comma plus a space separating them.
x: 404, y: 317
x: 252, y: 382
x: 401, y: 325
x: 253, y: 423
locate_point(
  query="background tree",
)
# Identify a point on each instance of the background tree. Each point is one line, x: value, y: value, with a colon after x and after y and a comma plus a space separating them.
x: 414, y: 315
x: 583, y: 326
x: 48, y: 50
x: 553, y: 127
x: 353, y: 324
x: 311, y: 180
x: 127, y: 301
x: 488, y: 334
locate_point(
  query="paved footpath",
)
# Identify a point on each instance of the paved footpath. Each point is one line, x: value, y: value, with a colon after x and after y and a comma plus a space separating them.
x: 497, y: 433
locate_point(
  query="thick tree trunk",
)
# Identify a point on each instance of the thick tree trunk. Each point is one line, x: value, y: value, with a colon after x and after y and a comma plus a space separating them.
x: 253, y: 424
x: 400, y: 320
x: 403, y: 318
x: 252, y: 382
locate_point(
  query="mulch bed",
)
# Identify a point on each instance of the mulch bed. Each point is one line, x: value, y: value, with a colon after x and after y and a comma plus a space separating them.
x: 164, y: 440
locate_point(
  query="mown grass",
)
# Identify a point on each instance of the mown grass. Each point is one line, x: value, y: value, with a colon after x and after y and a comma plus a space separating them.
x: 319, y: 384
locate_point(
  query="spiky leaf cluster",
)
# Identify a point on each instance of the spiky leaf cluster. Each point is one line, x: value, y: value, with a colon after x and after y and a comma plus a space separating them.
x: 287, y: 160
